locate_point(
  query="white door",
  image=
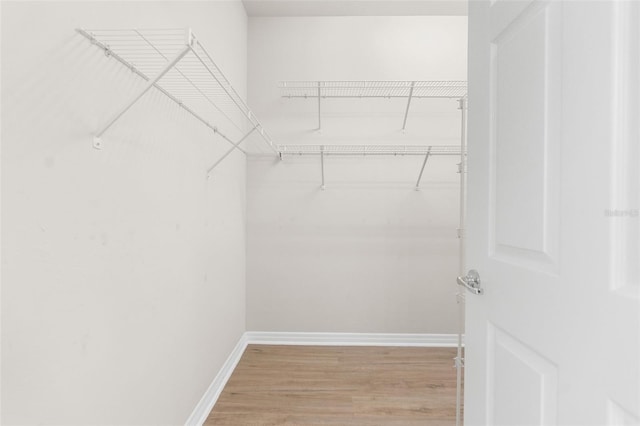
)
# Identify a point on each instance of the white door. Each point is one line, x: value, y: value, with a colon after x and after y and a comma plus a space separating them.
x: 553, y: 226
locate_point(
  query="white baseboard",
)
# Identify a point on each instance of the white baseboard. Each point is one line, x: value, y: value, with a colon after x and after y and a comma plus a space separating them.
x: 351, y: 339
x: 208, y: 400
x: 204, y: 407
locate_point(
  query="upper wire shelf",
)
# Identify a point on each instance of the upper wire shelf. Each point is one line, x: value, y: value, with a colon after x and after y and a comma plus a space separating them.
x: 373, y: 89
x: 176, y: 63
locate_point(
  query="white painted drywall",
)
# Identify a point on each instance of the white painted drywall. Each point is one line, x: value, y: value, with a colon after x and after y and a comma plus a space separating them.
x: 368, y: 254
x: 123, y: 270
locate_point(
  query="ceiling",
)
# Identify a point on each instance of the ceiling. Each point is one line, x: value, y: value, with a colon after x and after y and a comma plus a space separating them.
x: 355, y: 7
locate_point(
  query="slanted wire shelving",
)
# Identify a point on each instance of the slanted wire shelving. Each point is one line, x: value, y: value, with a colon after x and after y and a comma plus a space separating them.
x: 174, y: 62
x: 408, y: 90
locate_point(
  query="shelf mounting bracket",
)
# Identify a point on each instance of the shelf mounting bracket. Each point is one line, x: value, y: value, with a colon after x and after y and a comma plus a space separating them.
x: 406, y: 111
x: 97, y: 143
x: 322, y: 165
x: 424, y: 163
x: 458, y: 362
x: 233, y: 144
x: 319, y: 102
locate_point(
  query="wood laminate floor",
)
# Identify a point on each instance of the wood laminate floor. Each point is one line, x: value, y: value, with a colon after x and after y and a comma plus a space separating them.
x: 327, y: 385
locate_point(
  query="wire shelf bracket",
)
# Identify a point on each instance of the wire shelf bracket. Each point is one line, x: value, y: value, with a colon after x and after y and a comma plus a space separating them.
x: 174, y: 62
x: 373, y: 89
x: 406, y: 111
x: 424, y: 163
x: 234, y: 147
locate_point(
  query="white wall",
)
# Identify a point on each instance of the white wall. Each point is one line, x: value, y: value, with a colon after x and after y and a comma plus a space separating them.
x: 369, y: 254
x: 123, y: 270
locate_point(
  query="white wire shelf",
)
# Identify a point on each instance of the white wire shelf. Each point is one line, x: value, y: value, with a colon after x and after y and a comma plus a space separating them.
x: 364, y: 150
x: 323, y: 151
x: 373, y: 89
x: 177, y: 64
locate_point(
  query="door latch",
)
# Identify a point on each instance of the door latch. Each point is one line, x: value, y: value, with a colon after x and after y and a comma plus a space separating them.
x: 471, y: 281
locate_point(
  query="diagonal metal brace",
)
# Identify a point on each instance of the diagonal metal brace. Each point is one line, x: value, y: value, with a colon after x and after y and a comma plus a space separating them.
x: 406, y: 111
x: 151, y: 83
x: 233, y: 144
x: 424, y: 163
x: 236, y: 145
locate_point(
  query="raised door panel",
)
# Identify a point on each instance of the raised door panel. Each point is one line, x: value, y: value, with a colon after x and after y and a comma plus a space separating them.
x: 525, y: 137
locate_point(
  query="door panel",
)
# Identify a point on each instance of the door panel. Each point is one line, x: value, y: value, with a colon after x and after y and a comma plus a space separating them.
x: 521, y: 368
x: 625, y: 242
x: 618, y: 416
x: 553, y: 226
x: 525, y: 101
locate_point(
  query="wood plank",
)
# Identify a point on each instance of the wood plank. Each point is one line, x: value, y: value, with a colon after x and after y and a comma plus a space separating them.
x: 338, y: 385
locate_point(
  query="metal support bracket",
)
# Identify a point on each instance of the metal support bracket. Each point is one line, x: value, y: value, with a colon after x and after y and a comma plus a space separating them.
x: 462, y: 103
x: 319, y: 103
x: 151, y: 83
x: 322, y: 165
x: 462, y: 106
x: 424, y: 163
x: 235, y: 146
x: 406, y: 111
x: 458, y: 362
